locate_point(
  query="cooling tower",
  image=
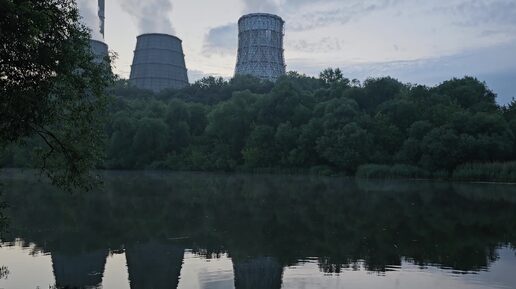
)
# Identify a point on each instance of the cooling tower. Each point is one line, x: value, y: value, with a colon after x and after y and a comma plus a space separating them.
x: 158, y: 63
x: 260, y: 46
x: 102, y: 15
x: 99, y: 50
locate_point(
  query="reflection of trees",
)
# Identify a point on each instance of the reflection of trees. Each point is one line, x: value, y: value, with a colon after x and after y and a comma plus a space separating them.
x: 4, y: 272
x: 288, y: 218
x: 3, y: 220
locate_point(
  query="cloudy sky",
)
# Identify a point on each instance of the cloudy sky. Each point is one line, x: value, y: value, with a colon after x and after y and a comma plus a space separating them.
x: 413, y: 40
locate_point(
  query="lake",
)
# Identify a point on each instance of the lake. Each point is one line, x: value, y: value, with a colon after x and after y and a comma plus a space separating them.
x: 152, y: 230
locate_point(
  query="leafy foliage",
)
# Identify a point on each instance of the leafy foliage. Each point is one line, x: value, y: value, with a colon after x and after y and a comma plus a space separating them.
x: 290, y: 218
x: 326, y: 124
x: 51, y: 87
x: 318, y: 124
x: 489, y: 172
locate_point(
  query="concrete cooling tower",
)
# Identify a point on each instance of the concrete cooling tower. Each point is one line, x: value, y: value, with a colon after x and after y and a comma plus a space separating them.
x: 99, y: 50
x: 260, y: 46
x: 158, y: 63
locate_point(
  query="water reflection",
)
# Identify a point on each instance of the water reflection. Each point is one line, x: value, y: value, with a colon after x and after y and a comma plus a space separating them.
x: 154, y: 265
x: 79, y: 270
x: 4, y: 272
x: 265, y: 226
x: 258, y: 273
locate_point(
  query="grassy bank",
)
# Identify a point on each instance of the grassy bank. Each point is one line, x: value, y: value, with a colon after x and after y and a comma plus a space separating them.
x: 472, y: 172
x: 398, y: 171
x: 486, y: 172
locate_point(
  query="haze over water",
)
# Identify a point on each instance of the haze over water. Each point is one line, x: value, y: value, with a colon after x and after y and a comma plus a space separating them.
x: 179, y: 230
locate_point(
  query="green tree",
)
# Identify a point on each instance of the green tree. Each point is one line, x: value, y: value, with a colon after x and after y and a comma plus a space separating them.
x: 150, y: 142
x: 401, y: 112
x: 119, y: 152
x: 198, y: 119
x: 468, y: 92
x: 51, y: 88
x: 377, y: 91
x: 284, y: 103
x: 346, y: 148
x: 286, y: 139
x: 442, y: 149
x: 229, y: 123
x: 260, y: 151
x: 177, y: 119
x: 332, y: 76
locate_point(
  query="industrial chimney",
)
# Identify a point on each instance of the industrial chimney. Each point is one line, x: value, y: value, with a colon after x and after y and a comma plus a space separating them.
x: 102, y: 15
x: 260, y: 46
x: 99, y: 49
x: 158, y: 63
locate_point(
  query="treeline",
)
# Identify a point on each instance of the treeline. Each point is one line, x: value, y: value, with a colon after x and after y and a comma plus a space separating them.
x: 327, y: 124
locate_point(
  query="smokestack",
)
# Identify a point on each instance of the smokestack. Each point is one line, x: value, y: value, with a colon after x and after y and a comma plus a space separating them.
x: 260, y: 46
x: 158, y: 63
x: 99, y: 49
x: 102, y: 16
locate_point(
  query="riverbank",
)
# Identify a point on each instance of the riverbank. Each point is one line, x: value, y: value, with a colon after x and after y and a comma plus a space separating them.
x: 473, y: 172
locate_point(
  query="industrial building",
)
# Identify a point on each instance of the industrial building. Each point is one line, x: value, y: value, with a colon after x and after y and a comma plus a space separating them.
x: 158, y: 63
x: 260, y: 46
x: 99, y: 48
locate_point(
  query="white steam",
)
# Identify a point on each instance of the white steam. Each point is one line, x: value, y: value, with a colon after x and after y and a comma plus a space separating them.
x: 261, y: 6
x: 90, y: 18
x: 152, y: 16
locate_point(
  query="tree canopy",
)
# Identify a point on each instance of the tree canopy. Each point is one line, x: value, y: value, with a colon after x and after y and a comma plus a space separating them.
x: 306, y: 123
x: 51, y: 88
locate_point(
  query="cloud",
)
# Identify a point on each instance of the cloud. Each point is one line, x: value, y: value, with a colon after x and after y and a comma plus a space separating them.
x: 152, y: 16
x: 502, y: 83
x: 221, y: 40
x: 195, y: 75
x: 481, y: 12
x: 321, y: 45
x: 495, y: 65
x: 334, y: 12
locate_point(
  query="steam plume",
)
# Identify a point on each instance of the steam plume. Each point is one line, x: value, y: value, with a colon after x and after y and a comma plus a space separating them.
x: 269, y: 6
x: 89, y: 13
x: 152, y: 15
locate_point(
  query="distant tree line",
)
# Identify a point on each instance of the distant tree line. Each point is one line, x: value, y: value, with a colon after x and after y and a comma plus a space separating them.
x: 328, y: 124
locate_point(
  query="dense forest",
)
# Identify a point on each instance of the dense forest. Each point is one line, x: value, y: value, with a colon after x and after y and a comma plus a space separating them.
x: 329, y: 125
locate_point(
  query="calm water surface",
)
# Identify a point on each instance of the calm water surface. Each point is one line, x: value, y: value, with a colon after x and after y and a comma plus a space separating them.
x: 210, y: 231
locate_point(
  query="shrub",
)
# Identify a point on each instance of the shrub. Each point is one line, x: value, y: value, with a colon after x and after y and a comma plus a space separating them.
x: 321, y: 171
x: 398, y: 171
x: 486, y: 172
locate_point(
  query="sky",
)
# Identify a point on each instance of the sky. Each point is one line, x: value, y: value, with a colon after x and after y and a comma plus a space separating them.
x: 415, y: 41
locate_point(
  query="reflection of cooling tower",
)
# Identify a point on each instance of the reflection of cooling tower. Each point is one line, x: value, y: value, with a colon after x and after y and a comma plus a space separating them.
x: 260, y: 46
x: 99, y: 50
x: 258, y: 273
x: 158, y: 63
x: 154, y: 265
x: 79, y: 271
